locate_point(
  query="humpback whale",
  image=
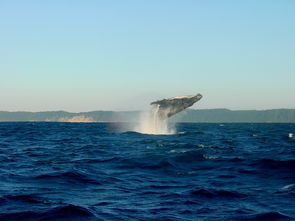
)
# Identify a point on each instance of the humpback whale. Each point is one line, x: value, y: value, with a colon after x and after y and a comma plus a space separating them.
x: 155, y: 121
x: 169, y: 107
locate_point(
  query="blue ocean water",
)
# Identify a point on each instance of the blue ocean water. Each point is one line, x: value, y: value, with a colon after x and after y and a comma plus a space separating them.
x: 90, y: 171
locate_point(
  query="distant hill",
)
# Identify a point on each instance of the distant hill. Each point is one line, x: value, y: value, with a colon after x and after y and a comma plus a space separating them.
x: 225, y: 115
x: 190, y: 115
x: 63, y: 116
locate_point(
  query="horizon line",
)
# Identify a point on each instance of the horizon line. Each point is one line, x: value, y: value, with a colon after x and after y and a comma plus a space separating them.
x: 146, y: 110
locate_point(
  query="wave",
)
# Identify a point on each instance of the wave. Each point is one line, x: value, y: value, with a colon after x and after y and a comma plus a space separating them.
x: 188, y: 133
x: 25, y: 198
x: 288, y: 165
x: 64, y: 171
x: 267, y: 216
x: 264, y: 163
x: 212, y: 193
x: 173, y: 159
x: 289, y: 187
x: 95, y: 160
x: 133, y: 133
x: 66, y: 212
x: 145, y: 164
x: 188, y: 156
x: 140, y: 133
x: 208, y: 146
x: 73, y: 177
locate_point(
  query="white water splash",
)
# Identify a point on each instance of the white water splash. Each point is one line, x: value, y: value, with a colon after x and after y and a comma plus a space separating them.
x: 152, y: 122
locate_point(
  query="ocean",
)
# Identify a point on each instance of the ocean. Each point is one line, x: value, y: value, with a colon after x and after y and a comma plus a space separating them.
x: 96, y: 171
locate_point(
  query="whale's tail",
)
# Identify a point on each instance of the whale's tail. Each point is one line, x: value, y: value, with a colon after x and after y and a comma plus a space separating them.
x: 169, y: 107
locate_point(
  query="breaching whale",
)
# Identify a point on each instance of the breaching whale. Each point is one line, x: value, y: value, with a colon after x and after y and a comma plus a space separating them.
x: 169, y: 107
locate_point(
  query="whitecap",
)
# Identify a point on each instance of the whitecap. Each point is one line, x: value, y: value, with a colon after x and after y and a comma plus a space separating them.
x: 288, y: 187
x: 178, y: 151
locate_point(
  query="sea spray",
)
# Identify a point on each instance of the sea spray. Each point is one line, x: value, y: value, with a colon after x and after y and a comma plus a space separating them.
x: 154, y: 122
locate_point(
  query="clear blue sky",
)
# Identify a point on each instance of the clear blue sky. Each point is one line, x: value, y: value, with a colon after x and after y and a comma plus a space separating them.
x: 120, y: 55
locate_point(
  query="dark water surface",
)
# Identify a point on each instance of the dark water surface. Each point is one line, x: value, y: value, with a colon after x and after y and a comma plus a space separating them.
x: 76, y: 171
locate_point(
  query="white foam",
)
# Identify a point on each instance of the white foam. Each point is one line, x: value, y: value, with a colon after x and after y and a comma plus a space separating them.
x: 178, y: 151
x: 289, y: 186
x: 151, y: 122
x: 207, y: 157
